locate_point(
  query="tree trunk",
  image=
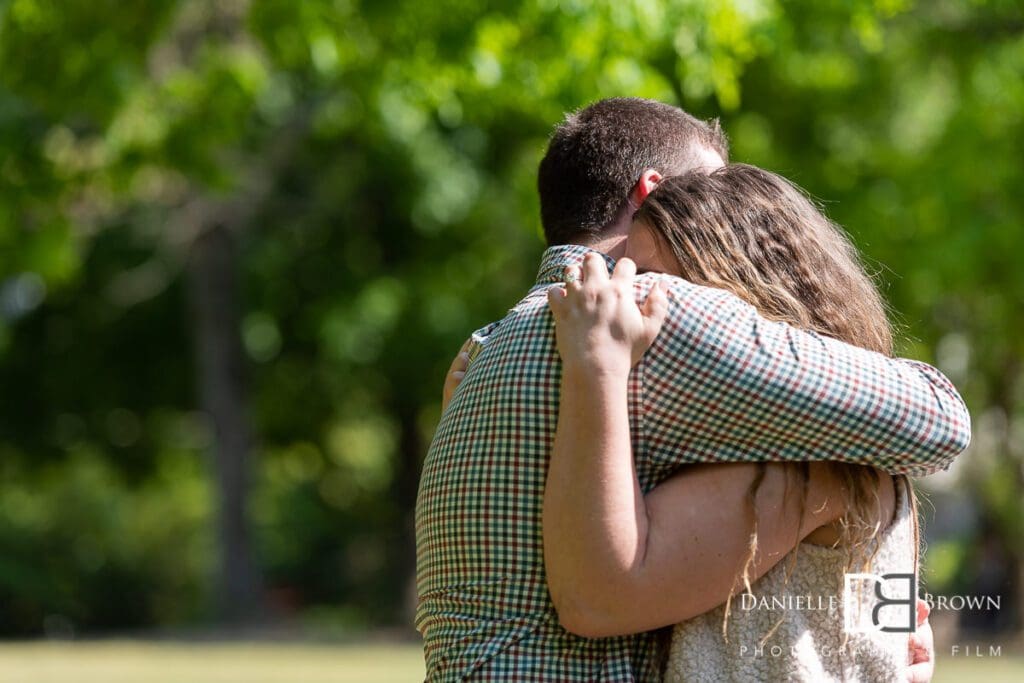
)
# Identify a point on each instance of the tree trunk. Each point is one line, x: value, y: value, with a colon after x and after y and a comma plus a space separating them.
x: 215, y: 307
x: 404, y: 489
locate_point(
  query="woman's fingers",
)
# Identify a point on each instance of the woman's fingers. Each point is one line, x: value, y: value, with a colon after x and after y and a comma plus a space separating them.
x: 655, y: 310
x: 923, y: 610
x: 459, y: 364
x: 595, y: 270
x: 556, y: 300
x: 597, y: 317
x: 656, y: 304
x: 921, y: 646
x: 456, y: 371
x: 625, y: 271
x: 573, y: 278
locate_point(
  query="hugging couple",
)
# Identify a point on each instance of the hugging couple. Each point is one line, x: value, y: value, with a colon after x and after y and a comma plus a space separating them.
x: 664, y: 472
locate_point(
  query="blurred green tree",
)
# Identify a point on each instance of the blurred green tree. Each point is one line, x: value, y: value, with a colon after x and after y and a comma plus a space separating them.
x: 261, y: 229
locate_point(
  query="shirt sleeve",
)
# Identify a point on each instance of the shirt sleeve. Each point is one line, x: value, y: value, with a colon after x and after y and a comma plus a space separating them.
x: 722, y: 384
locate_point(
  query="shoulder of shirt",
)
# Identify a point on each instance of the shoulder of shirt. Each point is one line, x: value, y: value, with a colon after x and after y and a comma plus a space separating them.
x: 676, y: 285
x: 693, y: 292
x: 650, y: 277
x: 534, y: 303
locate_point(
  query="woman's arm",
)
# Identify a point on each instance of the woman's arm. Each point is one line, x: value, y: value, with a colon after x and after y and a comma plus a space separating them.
x: 617, y: 562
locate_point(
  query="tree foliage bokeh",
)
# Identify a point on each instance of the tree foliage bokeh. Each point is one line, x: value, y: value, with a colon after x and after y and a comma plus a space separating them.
x: 251, y: 234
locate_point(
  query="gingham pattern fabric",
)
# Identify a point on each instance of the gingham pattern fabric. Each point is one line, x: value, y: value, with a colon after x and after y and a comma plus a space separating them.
x: 720, y: 384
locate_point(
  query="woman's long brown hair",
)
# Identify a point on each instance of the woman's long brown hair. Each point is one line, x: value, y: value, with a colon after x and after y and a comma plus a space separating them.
x: 755, y: 234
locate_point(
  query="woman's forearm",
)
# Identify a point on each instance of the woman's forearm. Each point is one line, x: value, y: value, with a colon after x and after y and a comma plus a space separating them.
x: 595, y: 520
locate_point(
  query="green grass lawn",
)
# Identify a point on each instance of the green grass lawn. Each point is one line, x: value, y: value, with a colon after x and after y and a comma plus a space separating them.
x: 151, y: 662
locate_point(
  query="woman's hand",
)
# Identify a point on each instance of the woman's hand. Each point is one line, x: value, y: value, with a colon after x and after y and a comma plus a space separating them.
x: 598, y: 325
x: 922, y: 648
x: 456, y: 372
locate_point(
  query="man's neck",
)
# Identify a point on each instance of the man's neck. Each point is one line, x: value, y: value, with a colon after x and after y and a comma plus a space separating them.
x: 614, y: 246
x: 612, y: 240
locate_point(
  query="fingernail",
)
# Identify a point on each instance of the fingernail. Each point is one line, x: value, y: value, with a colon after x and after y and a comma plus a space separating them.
x: 458, y: 374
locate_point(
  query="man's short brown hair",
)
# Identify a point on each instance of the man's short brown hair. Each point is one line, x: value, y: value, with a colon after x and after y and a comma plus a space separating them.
x: 598, y: 153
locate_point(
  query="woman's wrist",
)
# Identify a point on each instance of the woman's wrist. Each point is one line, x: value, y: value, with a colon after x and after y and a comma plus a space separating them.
x: 593, y: 375
x: 597, y: 358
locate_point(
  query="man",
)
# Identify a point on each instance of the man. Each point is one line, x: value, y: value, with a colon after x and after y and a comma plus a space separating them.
x: 484, y: 607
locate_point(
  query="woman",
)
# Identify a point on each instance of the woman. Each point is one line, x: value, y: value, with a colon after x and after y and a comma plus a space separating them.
x: 750, y: 232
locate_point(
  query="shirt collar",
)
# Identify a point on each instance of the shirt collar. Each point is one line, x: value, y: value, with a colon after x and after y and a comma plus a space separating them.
x: 557, y: 259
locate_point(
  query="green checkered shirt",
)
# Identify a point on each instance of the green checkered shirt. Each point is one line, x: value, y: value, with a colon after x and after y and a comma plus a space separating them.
x: 720, y: 384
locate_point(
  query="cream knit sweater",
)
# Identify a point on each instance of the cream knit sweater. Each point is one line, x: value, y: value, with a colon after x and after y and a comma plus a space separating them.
x: 810, y: 643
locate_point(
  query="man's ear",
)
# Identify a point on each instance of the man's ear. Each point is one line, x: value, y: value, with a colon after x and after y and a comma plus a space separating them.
x: 649, y: 180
